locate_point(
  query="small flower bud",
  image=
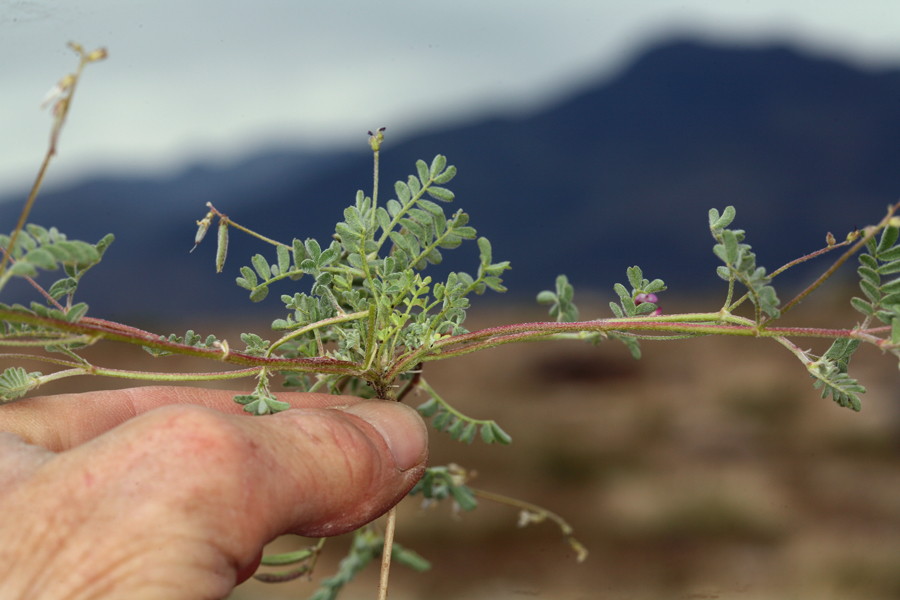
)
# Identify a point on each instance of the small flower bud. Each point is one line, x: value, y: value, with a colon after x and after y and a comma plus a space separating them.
x: 223, y: 346
x: 98, y: 54
x: 829, y: 239
x: 376, y: 138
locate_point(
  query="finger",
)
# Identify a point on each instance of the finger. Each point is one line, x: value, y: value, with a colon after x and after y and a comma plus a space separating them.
x: 18, y: 460
x: 246, y: 572
x: 244, y: 481
x: 188, y: 496
x: 64, y: 421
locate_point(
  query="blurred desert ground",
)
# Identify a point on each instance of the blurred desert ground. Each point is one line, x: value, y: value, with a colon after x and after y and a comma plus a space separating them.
x: 708, y: 469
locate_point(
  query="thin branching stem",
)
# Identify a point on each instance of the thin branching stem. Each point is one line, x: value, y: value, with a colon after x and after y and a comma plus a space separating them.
x: 149, y: 375
x: 315, y: 326
x: 50, y: 299
x: 375, y: 142
x: 39, y: 358
x: 807, y: 257
x: 61, y: 110
x: 536, y: 513
x: 305, y: 365
x: 41, y: 339
x: 386, y: 553
x: 689, y: 324
x: 412, y: 384
x: 23, y: 216
x: 231, y: 223
x: 869, y: 234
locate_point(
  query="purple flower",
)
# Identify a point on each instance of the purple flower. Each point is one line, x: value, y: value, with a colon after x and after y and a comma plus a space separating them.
x: 649, y: 298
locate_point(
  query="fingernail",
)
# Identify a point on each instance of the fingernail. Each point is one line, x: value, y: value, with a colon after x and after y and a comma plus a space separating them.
x: 402, y: 428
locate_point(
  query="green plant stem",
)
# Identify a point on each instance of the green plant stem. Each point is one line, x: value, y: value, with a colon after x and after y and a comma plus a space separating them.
x: 370, y: 337
x: 148, y: 375
x: 728, y: 306
x: 411, y: 384
x: 540, y: 514
x: 448, y: 408
x: 95, y: 332
x: 385, y: 234
x: 258, y: 236
x: 115, y: 326
x: 795, y: 350
x: 386, y: 553
x: 376, y: 152
x: 809, y: 256
x: 44, y: 359
x: 315, y: 326
x: 681, y: 324
x: 694, y: 324
x: 870, y: 233
x: 64, y: 105
x: 23, y: 216
x: 777, y: 272
x: 44, y: 341
x: 35, y: 285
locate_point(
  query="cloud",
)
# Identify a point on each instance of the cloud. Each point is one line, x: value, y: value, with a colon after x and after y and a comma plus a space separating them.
x: 214, y: 80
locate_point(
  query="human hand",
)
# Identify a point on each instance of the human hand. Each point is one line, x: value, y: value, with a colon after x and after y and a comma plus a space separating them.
x: 165, y: 492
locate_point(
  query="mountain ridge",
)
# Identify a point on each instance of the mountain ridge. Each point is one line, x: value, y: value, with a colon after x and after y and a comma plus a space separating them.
x: 621, y: 173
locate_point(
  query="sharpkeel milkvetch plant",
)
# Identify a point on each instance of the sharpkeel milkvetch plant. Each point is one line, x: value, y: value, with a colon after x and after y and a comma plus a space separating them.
x: 362, y: 316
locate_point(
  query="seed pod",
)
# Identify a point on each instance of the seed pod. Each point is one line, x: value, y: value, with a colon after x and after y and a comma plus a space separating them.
x: 202, y: 226
x: 222, y: 249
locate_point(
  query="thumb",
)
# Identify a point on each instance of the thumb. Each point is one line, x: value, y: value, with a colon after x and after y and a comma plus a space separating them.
x: 188, y: 496
x: 340, y: 468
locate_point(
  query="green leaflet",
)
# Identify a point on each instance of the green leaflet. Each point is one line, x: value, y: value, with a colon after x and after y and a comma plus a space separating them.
x: 740, y: 264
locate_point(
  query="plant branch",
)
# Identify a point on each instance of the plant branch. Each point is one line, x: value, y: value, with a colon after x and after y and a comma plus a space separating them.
x: 32, y: 282
x: 35, y: 357
x: 258, y: 236
x: 532, y: 513
x: 305, y: 365
x: 689, y: 324
x: 66, y: 87
x: 386, y: 553
x: 45, y: 339
x: 315, y: 326
x: 149, y: 375
x: 870, y: 233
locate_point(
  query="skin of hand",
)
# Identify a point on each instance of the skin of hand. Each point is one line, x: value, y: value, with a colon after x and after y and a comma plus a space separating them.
x: 168, y: 492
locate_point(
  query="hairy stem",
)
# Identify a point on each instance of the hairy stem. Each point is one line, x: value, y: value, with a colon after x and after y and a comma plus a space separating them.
x: 535, y: 513
x: 386, y: 553
x: 870, y: 233
x: 148, y: 375
x: 61, y: 109
x: 258, y: 236
x: 686, y: 324
x: 315, y: 326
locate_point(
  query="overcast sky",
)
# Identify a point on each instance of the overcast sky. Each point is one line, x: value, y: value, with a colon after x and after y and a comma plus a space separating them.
x: 213, y: 80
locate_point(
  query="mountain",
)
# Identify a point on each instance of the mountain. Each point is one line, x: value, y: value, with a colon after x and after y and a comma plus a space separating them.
x: 621, y: 173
